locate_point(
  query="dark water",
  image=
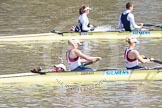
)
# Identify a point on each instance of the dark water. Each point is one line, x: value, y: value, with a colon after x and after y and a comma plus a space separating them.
x: 37, y: 16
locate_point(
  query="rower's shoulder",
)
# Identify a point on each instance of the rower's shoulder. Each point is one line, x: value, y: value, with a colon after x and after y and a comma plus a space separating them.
x: 135, y: 51
x: 76, y: 50
x: 131, y: 14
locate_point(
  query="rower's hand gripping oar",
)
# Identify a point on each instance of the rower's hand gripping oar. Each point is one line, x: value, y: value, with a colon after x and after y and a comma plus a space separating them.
x: 152, y: 25
x: 152, y: 59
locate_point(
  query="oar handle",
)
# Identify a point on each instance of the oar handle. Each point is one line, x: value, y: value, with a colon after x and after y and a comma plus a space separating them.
x: 152, y: 59
x: 91, y: 62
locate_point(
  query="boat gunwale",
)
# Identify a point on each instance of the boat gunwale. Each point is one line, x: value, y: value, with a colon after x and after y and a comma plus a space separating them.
x: 89, y: 35
x: 77, y: 72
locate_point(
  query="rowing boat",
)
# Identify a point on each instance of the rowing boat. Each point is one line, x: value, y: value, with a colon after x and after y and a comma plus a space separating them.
x: 113, y: 34
x: 82, y: 77
x: 83, y: 35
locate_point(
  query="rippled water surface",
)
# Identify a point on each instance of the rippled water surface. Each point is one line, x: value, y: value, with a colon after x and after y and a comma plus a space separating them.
x: 18, y: 57
x: 37, y: 16
x: 145, y: 94
x: 22, y: 56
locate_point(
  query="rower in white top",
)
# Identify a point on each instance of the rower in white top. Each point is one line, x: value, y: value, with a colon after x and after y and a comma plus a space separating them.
x: 84, y: 24
x: 75, y: 57
x: 132, y: 56
x: 126, y: 19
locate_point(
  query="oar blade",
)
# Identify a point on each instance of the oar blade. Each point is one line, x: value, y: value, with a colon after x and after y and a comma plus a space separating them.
x: 161, y: 26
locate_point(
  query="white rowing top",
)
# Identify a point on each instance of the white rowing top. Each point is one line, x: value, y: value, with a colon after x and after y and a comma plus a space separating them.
x: 129, y: 63
x: 73, y: 63
x: 83, y: 19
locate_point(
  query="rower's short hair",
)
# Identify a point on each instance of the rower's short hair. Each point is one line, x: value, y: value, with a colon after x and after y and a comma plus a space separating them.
x: 128, y: 5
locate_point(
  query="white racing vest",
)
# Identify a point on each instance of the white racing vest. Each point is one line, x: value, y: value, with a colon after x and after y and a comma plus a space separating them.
x: 72, y: 62
x: 129, y: 63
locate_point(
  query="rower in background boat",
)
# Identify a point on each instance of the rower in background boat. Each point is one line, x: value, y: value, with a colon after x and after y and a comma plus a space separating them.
x: 126, y: 19
x: 84, y: 24
x: 132, y: 56
x: 75, y: 57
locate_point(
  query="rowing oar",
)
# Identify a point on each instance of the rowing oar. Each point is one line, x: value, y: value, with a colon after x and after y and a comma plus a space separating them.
x: 57, y: 32
x: 152, y: 59
x: 157, y: 61
x: 91, y: 62
x: 150, y: 25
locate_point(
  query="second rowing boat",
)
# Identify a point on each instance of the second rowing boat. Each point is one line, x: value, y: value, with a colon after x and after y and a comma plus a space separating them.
x: 83, y: 35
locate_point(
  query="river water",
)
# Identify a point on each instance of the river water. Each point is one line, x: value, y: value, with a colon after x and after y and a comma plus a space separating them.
x: 37, y: 16
x: 23, y: 56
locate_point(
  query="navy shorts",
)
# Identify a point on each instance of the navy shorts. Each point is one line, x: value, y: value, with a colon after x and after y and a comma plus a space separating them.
x: 137, y: 67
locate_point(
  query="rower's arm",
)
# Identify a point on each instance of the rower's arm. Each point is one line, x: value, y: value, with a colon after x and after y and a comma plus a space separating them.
x: 132, y: 21
x: 85, y: 22
x: 140, y: 58
x: 88, y: 58
x: 84, y: 26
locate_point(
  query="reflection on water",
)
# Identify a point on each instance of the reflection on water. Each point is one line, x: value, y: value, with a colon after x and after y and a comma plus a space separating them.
x: 111, y: 94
